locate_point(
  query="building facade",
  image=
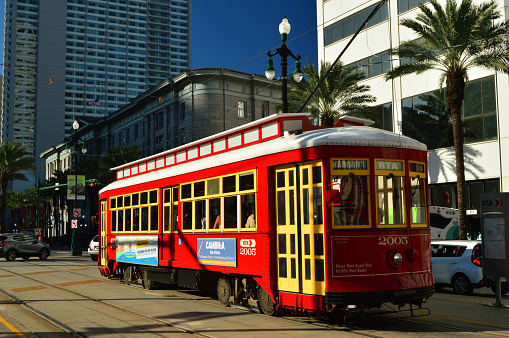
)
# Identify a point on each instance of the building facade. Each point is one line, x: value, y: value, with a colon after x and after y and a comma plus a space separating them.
x: 191, y: 106
x: 415, y: 105
x: 70, y: 58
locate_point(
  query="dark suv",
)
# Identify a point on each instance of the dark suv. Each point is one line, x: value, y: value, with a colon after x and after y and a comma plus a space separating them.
x: 21, y: 245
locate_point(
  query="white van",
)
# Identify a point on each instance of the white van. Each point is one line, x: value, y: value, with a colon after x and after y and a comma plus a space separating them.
x: 444, y: 223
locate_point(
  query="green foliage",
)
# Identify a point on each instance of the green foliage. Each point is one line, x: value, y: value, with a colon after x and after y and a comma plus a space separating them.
x: 340, y: 93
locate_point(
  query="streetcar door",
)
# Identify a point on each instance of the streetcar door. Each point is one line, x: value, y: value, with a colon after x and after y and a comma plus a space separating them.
x: 103, y: 240
x: 300, y: 227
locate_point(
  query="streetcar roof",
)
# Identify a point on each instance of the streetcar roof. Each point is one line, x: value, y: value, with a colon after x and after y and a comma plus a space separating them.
x: 344, y: 136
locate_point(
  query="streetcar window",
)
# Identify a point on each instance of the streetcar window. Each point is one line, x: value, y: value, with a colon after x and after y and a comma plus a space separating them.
x: 390, y: 200
x: 317, y: 175
x: 186, y: 190
x: 120, y: 201
x: 248, y: 207
x: 230, y: 212
x: 175, y: 218
x: 280, y: 178
x: 317, y: 205
x: 281, y: 208
x: 290, y: 178
x: 199, y: 215
x: 282, y: 243
x: 154, y: 218
x: 127, y: 200
x: 292, y: 244
x: 153, y: 196
x: 113, y: 202
x: 167, y: 196
x: 318, y: 244
x: 307, y: 269
x: 199, y: 189
x: 166, y: 219
x: 136, y: 199
x: 282, y: 267
x: 127, y: 225
x: 229, y: 184
x: 144, y: 218
x: 319, y: 270
x: 187, y: 215
x: 305, y: 205
x: 353, y: 206
x: 246, y: 181
x: 175, y: 194
x: 144, y: 198
x: 213, y: 186
x: 305, y: 178
x: 307, y: 245
x: 136, y: 220
x: 214, y: 213
x: 113, y: 221
x: 120, y: 219
x: 418, y: 200
x: 293, y: 267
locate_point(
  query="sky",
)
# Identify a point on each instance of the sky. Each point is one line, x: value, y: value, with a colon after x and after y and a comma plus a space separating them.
x: 236, y: 34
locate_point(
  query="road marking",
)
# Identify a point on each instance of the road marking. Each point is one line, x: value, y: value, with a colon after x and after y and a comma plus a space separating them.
x: 12, y: 328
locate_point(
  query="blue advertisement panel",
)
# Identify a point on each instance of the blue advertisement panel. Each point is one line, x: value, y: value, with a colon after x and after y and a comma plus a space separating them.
x: 217, y: 251
x: 137, y: 249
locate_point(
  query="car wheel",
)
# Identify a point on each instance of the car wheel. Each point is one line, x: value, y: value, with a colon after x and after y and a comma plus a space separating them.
x: 10, y: 255
x: 504, y: 291
x: 462, y: 285
x: 44, y: 254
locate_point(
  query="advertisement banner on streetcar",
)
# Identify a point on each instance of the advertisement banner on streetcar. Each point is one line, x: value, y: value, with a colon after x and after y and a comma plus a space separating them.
x: 217, y: 251
x: 137, y: 249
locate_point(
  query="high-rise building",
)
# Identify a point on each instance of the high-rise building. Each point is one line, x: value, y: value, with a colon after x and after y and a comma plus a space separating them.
x: 70, y: 58
x: 415, y: 105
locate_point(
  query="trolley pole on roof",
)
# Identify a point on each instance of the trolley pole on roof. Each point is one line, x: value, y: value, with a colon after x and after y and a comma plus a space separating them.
x: 284, y: 52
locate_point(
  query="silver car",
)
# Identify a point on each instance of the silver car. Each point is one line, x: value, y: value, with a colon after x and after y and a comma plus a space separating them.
x: 93, y: 248
x: 458, y: 264
x: 22, y: 245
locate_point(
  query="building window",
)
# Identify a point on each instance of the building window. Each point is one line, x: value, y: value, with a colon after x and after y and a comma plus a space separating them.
x: 120, y: 139
x: 182, y: 135
x: 265, y: 108
x: 349, y: 25
x: 373, y: 65
x: 426, y: 117
x: 136, y: 132
x: 182, y: 111
x: 127, y: 135
x: 381, y: 115
x: 406, y: 5
x: 159, y: 121
x: 242, y: 109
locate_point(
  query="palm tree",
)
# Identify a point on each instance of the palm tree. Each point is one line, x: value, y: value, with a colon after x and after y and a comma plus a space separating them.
x: 17, y: 200
x: 338, y: 95
x: 454, y: 39
x: 13, y: 160
x: 116, y: 156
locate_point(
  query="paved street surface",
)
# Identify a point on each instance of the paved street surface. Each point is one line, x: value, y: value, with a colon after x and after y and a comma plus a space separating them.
x: 66, y: 296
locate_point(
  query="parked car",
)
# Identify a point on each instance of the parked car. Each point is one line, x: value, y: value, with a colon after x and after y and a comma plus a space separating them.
x: 22, y: 245
x: 458, y: 264
x: 93, y: 248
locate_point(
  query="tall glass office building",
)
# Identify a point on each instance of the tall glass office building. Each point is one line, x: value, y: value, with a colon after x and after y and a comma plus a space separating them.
x: 71, y: 58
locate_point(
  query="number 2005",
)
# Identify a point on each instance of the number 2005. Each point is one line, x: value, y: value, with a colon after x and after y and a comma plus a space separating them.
x: 248, y: 251
x: 392, y: 240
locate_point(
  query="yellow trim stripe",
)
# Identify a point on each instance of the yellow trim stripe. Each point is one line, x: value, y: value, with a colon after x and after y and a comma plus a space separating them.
x: 12, y: 328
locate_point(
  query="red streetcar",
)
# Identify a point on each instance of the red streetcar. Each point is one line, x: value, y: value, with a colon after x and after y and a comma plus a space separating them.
x: 277, y: 214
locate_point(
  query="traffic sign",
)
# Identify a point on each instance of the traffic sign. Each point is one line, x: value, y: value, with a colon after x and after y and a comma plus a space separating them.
x: 76, y: 212
x: 74, y: 224
x: 37, y: 231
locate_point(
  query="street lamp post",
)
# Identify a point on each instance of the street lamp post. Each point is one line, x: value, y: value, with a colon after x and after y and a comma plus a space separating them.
x: 284, y: 52
x: 75, y: 236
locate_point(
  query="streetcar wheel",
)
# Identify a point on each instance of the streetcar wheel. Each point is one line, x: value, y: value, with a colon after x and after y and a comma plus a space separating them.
x: 148, y: 283
x: 266, y: 304
x: 128, y: 272
x: 462, y: 285
x: 10, y: 255
x: 223, y: 291
x: 44, y: 254
x: 504, y: 291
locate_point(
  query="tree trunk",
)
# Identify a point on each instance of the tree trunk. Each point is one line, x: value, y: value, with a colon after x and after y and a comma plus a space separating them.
x: 455, y: 95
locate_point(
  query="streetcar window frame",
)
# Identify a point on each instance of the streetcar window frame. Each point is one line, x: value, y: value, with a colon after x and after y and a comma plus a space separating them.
x: 360, y: 168
x: 385, y: 174
x: 221, y: 201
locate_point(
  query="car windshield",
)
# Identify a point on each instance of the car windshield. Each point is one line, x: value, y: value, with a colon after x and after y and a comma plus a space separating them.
x: 96, y: 238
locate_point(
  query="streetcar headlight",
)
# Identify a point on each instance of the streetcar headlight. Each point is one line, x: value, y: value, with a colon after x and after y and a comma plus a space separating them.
x: 397, y: 258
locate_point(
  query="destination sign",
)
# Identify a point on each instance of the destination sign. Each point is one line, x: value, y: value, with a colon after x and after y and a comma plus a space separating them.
x: 389, y: 165
x: 416, y: 167
x: 349, y: 164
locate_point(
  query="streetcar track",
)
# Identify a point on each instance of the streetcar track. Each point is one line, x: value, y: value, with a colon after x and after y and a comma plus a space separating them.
x: 75, y: 332
x: 346, y: 328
